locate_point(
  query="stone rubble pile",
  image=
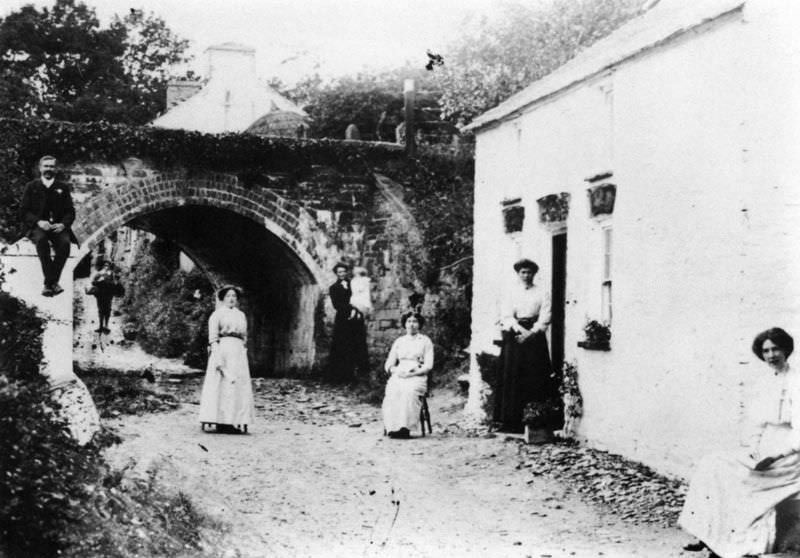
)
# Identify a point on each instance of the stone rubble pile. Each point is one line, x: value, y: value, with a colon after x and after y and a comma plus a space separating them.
x: 628, y: 489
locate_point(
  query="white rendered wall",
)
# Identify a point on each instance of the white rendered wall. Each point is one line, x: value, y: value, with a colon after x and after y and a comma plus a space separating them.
x: 701, y: 135
x: 23, y: 280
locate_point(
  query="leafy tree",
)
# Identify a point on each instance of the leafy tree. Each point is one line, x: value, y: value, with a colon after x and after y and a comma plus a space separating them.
x: 60, y: 63
x: 499, y: 57
x: 361, y: 100
x: 151, y: 48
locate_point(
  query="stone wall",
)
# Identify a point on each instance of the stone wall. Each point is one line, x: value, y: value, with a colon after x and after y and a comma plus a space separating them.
x: 279, y: 237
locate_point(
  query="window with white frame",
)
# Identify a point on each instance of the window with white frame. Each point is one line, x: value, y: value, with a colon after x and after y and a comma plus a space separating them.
x: 606, y: 284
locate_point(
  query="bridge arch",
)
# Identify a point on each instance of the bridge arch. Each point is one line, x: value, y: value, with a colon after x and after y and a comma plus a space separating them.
x: 253, y: 237
x: 114, y: 206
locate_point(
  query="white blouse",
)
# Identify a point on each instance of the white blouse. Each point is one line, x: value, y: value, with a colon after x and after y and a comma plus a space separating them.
x: 773, y: 413
x: 410, y: 351
x: 226, y: 321
x: 527, y: 302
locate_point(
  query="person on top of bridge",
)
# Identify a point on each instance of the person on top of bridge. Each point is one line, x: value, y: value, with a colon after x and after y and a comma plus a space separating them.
x: 47, y: 213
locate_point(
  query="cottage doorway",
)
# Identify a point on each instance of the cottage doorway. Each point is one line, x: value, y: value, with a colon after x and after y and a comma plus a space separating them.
x: 558, y: 291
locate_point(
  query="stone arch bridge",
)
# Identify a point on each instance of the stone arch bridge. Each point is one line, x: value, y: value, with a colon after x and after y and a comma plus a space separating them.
x: 278, y: 238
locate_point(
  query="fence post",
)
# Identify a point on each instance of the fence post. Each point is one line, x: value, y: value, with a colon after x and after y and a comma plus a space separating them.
x: 408, y: 96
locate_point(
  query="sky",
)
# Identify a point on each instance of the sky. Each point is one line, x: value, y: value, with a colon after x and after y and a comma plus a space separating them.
x: 294, y: 38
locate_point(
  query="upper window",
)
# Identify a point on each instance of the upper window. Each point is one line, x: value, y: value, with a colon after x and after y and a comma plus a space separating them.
x: 513, y: 216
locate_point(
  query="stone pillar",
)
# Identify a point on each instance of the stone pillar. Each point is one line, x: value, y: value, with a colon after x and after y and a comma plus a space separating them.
x: 23, y: 280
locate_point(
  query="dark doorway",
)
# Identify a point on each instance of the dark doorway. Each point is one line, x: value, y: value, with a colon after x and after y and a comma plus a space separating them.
x: 558, y: 294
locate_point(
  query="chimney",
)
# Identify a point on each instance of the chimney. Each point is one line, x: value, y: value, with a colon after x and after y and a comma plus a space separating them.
x: 231, y: 61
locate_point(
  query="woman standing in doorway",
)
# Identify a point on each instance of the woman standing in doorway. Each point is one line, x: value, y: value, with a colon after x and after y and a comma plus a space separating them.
x: 525, y: 374
x: 227, y: 398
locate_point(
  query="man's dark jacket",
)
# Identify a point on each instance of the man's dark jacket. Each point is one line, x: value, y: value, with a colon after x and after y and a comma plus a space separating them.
x: 32, y: 207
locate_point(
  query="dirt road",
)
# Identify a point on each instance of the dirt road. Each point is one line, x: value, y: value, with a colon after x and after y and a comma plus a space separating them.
x: 315, y: 477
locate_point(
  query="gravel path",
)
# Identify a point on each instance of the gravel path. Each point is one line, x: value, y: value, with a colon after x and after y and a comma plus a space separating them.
x: 315, y: 477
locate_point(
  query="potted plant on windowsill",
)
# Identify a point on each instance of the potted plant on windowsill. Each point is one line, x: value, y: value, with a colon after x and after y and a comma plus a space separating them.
x: 538, y: 417
x: 597, y: 337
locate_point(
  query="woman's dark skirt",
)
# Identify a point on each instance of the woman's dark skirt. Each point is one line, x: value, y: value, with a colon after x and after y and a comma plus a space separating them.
x: 348, y: 348
x: 524, y: 377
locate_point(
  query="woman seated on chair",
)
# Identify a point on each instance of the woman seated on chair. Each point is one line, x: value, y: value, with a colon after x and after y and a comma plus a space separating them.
x: 410, y: 359
x: 732, y: 498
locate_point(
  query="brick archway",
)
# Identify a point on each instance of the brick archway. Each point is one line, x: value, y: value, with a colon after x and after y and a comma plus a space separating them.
x: 106, y: 211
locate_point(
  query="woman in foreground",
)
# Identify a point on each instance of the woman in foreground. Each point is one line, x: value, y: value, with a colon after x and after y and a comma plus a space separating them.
x: 732, y: 499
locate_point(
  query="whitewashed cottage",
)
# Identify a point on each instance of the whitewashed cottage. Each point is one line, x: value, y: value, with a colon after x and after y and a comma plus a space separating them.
x: 656, y: 180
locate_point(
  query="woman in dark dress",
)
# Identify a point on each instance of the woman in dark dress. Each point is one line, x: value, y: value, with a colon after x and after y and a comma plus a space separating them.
x: 349, y: 343
x: 525, y: 370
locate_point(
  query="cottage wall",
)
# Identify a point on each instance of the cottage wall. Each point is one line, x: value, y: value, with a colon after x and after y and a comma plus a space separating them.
x: 700, y: 134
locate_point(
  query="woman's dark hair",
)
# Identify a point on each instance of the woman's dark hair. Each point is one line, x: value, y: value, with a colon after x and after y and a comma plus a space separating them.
x: 224, y: 291
x: 408, y: 315
x: 782, y: 339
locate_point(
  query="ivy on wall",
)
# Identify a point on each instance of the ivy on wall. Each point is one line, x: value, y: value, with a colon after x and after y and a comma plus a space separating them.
x: 23, y: 142
x: 168, y: 148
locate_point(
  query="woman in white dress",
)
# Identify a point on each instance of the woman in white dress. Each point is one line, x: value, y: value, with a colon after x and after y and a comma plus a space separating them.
x: 227, y: 398
x: 732, y: 498
x: 409, y: 362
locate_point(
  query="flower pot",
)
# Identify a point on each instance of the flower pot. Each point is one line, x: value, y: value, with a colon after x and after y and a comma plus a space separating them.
x: 537, y: 434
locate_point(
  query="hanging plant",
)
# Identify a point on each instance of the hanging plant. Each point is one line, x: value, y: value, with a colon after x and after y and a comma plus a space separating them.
x: 597, y: 336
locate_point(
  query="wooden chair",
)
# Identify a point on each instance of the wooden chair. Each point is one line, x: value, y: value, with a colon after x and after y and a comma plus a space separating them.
x: 424, y: 414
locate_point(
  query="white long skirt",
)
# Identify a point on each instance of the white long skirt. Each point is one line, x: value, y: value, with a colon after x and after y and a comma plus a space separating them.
x: 731, y: 507
x: 227, y: 397
x: 401, y: 402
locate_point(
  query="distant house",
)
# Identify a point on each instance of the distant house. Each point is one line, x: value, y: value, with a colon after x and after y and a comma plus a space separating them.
x: 656, y: 180
x: 232, y: 99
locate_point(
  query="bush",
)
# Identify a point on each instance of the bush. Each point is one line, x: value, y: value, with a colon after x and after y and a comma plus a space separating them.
x: 59, y: 498
x: 441, y: 202
x: 44, y: 472
x: 20, y: 340
x: 43, y: 469
x: 161, y: 307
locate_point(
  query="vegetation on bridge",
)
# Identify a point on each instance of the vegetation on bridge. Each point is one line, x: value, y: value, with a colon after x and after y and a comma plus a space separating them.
x: 22, y: 142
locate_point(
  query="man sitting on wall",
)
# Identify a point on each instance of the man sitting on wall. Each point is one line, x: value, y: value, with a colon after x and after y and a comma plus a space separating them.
x: 47, y: 214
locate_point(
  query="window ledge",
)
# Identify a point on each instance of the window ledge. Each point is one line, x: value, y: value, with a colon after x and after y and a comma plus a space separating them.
x: 595, y: 345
